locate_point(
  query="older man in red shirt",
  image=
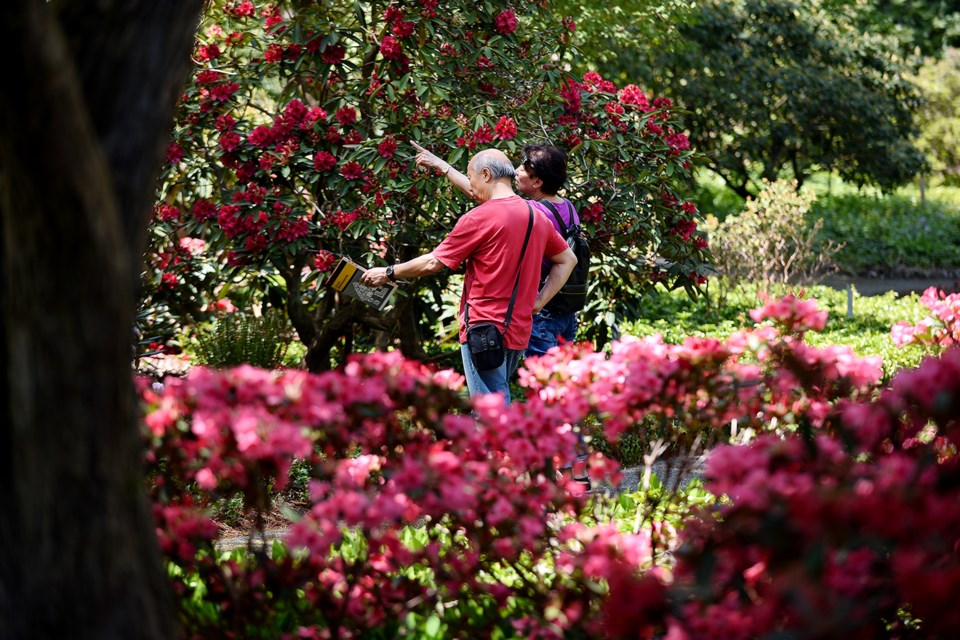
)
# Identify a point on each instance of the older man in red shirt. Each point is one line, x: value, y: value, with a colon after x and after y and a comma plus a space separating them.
x: 489, y: 239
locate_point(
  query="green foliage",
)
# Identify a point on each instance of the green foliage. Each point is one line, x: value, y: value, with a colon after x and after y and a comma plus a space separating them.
x: 771, y: 243
x: 939, y: 117
x: 783, y: 89
x: 605, y: 30
x: 867, y: 333
x: 891, y: 233
x: 921, y: 26
x: 241, y: 338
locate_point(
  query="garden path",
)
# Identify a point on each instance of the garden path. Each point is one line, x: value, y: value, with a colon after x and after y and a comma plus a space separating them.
x: 867, y: 286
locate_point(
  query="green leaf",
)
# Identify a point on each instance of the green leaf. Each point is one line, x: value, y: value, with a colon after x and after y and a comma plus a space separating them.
x: 432, y: 627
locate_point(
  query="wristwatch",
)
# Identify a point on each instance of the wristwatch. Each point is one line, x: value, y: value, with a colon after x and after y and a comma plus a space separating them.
x: 390, y: 275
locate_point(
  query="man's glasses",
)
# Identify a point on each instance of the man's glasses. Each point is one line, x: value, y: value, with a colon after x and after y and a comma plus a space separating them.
x: 529, y: 164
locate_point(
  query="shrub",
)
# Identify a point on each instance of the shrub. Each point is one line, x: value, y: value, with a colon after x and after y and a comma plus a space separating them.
x: 891, y: 234
x: 770, y: 242
x: 431, y: 511
x: 244, y: 338
x: 867, y: 332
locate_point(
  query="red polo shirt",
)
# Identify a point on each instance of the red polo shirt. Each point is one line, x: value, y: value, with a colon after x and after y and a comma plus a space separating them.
x: 489, y: 238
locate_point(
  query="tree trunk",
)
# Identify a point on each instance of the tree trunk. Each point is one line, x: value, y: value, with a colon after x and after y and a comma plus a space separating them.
x: 89, y: 102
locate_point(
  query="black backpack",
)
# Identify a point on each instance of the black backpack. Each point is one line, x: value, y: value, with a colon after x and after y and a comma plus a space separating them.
x: 573, y: 296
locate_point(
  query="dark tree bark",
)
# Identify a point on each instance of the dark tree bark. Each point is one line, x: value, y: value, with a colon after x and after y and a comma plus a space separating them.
x: 86, y: 109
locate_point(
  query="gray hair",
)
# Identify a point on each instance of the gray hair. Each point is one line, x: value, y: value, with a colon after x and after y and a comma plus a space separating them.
x: 499, y: 166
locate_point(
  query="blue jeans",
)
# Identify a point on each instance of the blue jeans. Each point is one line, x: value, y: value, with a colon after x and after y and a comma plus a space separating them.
x: 492, y: 381
x: 548, y: 328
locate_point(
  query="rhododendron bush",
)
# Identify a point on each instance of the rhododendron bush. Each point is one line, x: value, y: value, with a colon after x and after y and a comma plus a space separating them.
x: 292, y: 148
x: 431, y: 512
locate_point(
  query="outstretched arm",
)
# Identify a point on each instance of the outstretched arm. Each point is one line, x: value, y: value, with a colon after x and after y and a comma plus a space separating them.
x: 428, y: 159
x: 424, y: 265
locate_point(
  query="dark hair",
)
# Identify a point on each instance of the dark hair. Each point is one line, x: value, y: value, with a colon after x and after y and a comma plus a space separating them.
x: 547, y: 162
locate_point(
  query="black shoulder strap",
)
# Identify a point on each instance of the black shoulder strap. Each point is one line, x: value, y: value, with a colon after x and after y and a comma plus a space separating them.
x: 556, y: 214
x: 516, y: 283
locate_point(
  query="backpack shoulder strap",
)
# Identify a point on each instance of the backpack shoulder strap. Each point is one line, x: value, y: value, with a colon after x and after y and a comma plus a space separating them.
x: 556, y: 214
x: 574, y: 215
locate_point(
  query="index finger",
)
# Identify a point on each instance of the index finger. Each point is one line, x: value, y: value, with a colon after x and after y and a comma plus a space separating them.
x: 416, y: 146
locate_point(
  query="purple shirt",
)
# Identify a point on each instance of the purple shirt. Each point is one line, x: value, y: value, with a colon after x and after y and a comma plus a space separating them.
x: 568, y: 214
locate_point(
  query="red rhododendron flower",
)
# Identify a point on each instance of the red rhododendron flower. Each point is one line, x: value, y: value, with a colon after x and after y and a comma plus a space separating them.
x: 428, y: 9
x: 169, y: 281
x: 632, y: 95
x: 569, y: 24
x: 167, y: 212
x: 262, y: 136
x: 678, y: 141
x: 209, y: 52
x: 225, y: 122
x: 244, y: 9
x: 393, y: 13
x: 346, y: 115
x: 324, y: 161
x: 204, y: 210
x: 592, y: 212
x: 614, y: 109
x: 402, y: 29
x: 689, y: 207
x: 225, y: 305
x: 174, y: 153
x: 271, y: 16
x: 483, y: 134
x: 274, y: 53
x: 333, y: 136
x: 684, y: 229
x: 229, y: 141
x: 387, y: 148
x: 324, y: 260
x: 506, y: 22
x: 506, y: 128
x: 570, y: 92
x: 207, y: 76
x: 662, y: 103
x: 390, y: 48
x: 223, y: 91
x: 352, y: 171
x: 256, y: 243
x: 333, y: 54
